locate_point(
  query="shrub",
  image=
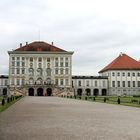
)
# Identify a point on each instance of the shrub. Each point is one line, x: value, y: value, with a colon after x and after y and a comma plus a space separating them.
x: 136, y: 95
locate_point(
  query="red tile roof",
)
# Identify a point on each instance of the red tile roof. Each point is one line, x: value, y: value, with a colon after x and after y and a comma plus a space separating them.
x: 39, y: 46
x: 122, y: 62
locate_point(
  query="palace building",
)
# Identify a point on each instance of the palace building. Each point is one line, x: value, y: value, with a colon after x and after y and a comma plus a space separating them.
x: 40, y: 69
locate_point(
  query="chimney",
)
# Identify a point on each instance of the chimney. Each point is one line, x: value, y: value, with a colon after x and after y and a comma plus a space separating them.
x: 121, y: 54
x: 26, y: 43
x: 52, y: 43
x: 20, y: 45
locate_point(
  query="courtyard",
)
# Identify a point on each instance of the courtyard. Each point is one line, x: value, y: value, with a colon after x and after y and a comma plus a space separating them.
x: 54, y: 118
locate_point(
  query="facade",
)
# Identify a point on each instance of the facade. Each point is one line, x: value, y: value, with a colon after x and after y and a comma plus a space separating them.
x: 40, y: 69
x: 123, y: 76
x: 90, y: 85
x: 3, y: 84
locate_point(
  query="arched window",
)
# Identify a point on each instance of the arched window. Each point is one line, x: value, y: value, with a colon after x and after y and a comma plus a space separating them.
x: 39, y: 81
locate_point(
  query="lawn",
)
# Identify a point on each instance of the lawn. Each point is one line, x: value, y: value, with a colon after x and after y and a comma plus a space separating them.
x: 3, y: 107
x: 124, y: 100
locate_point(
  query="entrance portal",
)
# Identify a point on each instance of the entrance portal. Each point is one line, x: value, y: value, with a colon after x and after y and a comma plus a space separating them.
x: 40, y: 91
x: 104, y: 93
x: 49, y: 92
x: 31, y: 92
x: 4, y: 91
x: 96, y: 92
x: 79, y: 91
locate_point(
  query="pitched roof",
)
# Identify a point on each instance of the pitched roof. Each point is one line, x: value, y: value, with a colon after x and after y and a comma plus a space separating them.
x: 122, y: 62
x: 39, y: 46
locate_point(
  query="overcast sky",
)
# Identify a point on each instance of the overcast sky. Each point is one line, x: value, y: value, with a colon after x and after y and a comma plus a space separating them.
x: 96, y: 30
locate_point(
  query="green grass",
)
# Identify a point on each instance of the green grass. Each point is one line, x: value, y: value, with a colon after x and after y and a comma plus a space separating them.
x: 125, y: 100
x: 4, y: 107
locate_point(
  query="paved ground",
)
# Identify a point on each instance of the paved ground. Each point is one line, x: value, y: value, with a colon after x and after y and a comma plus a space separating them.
x: 52, y: 118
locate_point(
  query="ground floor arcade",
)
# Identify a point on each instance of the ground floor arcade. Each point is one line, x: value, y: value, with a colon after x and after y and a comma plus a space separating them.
x: 40, y: 91
x: 91, y: 92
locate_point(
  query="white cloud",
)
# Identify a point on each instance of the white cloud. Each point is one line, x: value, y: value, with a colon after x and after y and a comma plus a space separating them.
x: 97, y: 30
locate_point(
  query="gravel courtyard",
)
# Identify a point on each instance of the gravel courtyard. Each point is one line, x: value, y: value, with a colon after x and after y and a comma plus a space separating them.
x: 53, y: 118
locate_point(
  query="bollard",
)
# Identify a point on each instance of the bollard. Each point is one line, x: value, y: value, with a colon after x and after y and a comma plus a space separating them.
x: 11, y: 99
x: 3, y: 102
x: 118, y: 100
x: 85, y: 97
x: 104, y: 99
x: 94, y: 99
x: 80, y: 97
x: 8, y: 100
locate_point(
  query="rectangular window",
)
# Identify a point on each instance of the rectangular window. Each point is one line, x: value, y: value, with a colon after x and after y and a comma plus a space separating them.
x: 48, y: 59
x: 129, y: 84
x: 31, y: 59
x: 138, y: 74
x: 61, y: 71
x: 13, y: 63
x: 61, y: 59
x: 67, y: 59
x: 133, y: 74
x: 123, y: 74
x: 118, y: 74
x: 79, y: 83
x: 113, y: 83
x: 134, y: 83
x: 18, y: 64
x: 23, y: 64
x: 13, y: 58
x: 138, y: 83
x: 18, y: 58
x: 56, y: 82
x: 66, y: 64
x: 67, y: 71
x: 61, y: 64
x: 18, y: 71
x: 61, y: 82
x: 23, y: 71
x: 12, y: 81
x: 39, y: 59
x: 118, y: 83
x: 22, y: 81
x: 56, y: 71
x: 87, y: 83
x: 67, y: 82
x: 56, y: 64
x: 128, y: 74
x: 56, y: 59
x: 123, y: 83
x: 96, y: 84
x: 6, y: 82
x: 104, y: 84
x: 18, y: 82
x: 13, y: 71
x: 113, y: 74
x: 23, y: 58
